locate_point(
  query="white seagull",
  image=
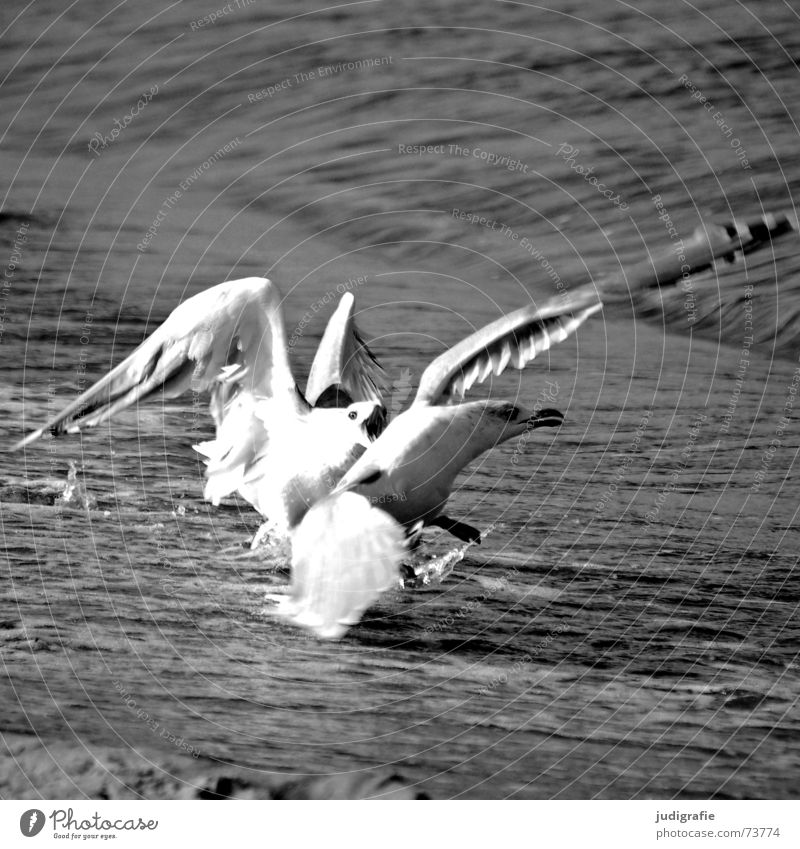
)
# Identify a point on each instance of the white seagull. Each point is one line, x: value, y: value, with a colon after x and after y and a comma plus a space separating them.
x: 281, y: 450
x: 348, y: 548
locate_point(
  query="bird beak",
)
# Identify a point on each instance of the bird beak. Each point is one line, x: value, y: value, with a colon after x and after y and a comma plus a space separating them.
x: 546, y: 418
x: 375, y: 423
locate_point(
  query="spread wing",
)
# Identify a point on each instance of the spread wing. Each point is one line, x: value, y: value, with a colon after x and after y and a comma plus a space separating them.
x: 343, y: 358
x: 345, y: 553
x: 227, y: 338
x: 513, y: 339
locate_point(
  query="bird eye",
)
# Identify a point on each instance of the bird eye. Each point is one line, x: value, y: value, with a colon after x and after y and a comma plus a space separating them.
x: 352, y: 415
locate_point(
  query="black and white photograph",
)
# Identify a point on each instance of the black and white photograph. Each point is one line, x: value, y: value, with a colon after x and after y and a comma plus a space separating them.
x: 401, y: 401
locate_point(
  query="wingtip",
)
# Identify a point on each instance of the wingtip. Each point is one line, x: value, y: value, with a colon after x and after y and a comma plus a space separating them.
x: 27, y: 440
x: 346, y: 307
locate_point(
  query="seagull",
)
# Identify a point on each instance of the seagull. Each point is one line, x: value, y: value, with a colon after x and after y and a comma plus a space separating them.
x: 282, y: 450
x: 348, y: 547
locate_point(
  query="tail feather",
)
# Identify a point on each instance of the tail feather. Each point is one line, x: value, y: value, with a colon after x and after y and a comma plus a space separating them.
x: 241, y: 438
x: 345, y: 553
x: 221, y: 484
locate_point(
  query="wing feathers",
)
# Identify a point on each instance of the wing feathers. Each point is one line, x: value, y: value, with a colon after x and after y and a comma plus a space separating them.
x: 344, y: 358
x: 515, y: 339
x: 236, y: 324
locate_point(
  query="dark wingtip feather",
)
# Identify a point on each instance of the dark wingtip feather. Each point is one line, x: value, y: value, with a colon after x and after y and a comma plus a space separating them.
x: 335, y: 396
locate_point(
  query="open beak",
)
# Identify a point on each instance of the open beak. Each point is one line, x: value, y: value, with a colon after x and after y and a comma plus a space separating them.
x: 546, y: 418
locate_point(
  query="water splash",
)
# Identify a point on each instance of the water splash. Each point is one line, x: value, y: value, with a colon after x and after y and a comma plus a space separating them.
x: 424, y: 571
x: 74, y: 492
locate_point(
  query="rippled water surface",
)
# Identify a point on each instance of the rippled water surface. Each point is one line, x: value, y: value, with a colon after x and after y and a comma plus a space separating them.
x: 629, y: 628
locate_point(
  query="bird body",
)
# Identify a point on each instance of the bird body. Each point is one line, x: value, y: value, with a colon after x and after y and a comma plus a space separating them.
x: 279, y: 449
x: 410, y: 470
x: 317, y: 466
x: 302, y: 461
x: 349, y: 544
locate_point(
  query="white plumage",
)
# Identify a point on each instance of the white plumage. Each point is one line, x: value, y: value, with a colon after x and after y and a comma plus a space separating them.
x: 314, y: 471
x: 271, y: 445
x: 404, y: 479
x: 345, y: 553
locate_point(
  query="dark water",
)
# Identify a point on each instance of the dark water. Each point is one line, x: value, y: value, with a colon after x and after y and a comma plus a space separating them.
x: 630, y: 626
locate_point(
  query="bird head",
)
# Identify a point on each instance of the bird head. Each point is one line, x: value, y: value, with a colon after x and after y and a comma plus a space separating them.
x: 502, y: 420
x: 370, y: 418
